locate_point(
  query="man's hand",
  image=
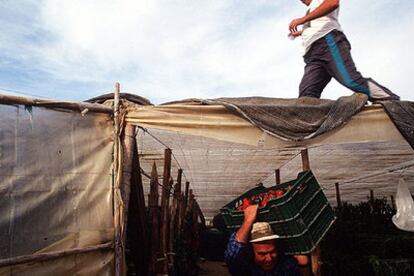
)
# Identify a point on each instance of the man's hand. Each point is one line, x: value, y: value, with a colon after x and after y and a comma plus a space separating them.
x: 250, y: 213
x: 293, y: 26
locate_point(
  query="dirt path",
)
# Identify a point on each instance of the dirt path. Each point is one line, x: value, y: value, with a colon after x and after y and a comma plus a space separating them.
x: 213, y: 268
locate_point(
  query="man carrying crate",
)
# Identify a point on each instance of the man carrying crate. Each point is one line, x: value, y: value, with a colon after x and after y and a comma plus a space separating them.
x: 258, y: 254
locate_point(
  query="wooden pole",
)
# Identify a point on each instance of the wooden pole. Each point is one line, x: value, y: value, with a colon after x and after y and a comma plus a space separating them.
x: 174, y: 213
x: 187, y: 187
x: 177, y: 192
x: 42, y: 257
x: 116, y: 193
x: 305, y: 160
x: 201, y: 215
x: 76, y: 106
x: 316, y: 253
x: 277, y: 176
x: 137, y: 221
x: 153, y: 215
x: 338, y: 195
x: 128, y: 149
x: 371, y: 195
x: 182, y: 212
x: 167, y: 183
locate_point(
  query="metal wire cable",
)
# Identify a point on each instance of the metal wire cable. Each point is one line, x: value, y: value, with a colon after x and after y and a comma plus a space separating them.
x: 172, y: 153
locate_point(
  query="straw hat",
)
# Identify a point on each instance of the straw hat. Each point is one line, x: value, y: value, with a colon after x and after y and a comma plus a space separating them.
x: 261, y: 231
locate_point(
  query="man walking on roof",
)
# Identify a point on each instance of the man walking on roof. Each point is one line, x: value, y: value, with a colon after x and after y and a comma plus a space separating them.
x: 327, y: 54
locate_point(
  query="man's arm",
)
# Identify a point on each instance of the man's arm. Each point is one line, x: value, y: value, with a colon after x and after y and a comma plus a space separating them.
x: 238, y: 250
x: 250, y: 214
x: 325, y: 8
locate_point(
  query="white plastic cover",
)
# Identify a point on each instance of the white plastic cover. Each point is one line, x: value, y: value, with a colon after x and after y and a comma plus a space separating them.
x: 55, y: 189
x: 404, y: 218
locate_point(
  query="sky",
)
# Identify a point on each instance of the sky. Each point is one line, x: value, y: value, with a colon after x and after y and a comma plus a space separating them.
x: 168, y: 50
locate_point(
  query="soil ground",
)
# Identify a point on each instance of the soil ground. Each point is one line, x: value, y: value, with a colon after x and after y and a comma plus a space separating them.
x: 213, y: 268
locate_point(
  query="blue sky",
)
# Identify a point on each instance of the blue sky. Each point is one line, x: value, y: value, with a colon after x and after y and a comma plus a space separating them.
x: 174, y: 49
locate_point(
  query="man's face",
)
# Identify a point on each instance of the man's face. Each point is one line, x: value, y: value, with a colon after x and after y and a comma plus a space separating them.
x: 265, y: 255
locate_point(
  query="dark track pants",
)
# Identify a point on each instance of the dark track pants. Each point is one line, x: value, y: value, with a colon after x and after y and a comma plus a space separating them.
x: 330, y: 57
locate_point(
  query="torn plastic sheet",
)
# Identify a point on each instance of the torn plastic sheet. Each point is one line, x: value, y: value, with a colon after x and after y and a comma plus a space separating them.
x: 404, y: 218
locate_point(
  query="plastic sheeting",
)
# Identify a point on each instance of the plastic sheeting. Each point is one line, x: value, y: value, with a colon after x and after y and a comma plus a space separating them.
x: 55, y: 186
x: 404, y: 219
x: 223, y: 154
x: 215, y: 121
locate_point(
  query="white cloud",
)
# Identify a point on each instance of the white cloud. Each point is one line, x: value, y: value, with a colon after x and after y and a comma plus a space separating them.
x: 174, y: 49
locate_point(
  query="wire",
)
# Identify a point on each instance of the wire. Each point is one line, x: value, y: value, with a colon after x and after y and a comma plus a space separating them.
x: 165, y: 145
x: 402, y: 167
x: 172, y: 153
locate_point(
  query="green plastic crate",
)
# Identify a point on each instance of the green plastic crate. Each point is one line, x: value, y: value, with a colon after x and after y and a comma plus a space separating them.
x: 301, y: 217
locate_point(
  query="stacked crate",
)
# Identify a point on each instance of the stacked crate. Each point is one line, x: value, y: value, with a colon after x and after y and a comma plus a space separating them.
x: 301, y: 216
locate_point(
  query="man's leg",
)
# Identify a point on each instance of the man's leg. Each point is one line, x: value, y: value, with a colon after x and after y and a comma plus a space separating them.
x: 314, y: 80
x: 341, y: 66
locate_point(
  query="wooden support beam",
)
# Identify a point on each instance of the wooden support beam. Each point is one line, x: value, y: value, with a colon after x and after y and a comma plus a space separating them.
x: 139, y: 238
x: 371, y: 195
x: 153, y: 216
x: 277, y: 176
x: 181, y: 212
x: 82, y: 107
x: 119, y: 257
x: 316, y: 253
x: 305, y: 159
x: 167, y: 184
x: 177, y: 188
x: 187, y: 187
x: 338, y: 195
x: 200, y: 215
x: 174, y: 213
x: 177, y: 193
x: 42, y: 257
x: 128, y: 149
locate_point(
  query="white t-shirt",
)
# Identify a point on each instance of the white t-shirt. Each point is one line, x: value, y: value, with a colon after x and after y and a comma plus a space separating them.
x: 319, y: 27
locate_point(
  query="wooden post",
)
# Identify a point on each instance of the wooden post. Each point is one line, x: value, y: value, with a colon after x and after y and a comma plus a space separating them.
x: 178, y: 184
x: 315, y: 254
x: 277, y: 176
x: 338, y: 195
x: 177, y: 192
x: 139, y: 241
x: 128, y: 149
x: 190, y: 200
x: 187, y: 187
x: 173, y: 218
x: 371, y: 195
x: 167, y: 183
x: 153, y: 215
x: 182, y: 212
x: 305, y: 160
x: 116, y: 192
x: 200, y: 215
